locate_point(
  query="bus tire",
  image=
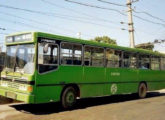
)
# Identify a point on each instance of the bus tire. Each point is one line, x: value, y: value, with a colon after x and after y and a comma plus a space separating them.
x: 68, y: 98
x: 142, y: 90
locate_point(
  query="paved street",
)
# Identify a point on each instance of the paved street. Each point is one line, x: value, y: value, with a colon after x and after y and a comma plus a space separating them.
x: 124, y: 107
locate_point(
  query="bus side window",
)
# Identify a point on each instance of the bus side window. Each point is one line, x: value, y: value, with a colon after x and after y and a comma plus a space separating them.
x: 77, y: 54
x: 2, y: 60
x: 47, y: 61
x: 87, y: 55
x: 130, y: 60
x: 93, y: 56
x: 144, y: 61
x: 71, y: 54
x: 113, y: 58
x: 98, y: 57
x: 126, y: 60
x: 133, y: 61
x: 155, y: 63
x: 163, y: 63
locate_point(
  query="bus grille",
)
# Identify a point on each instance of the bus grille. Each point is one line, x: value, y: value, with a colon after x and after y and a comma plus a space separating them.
x: 13, y: 85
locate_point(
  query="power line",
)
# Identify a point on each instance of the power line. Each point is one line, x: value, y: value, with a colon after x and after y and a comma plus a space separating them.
x: 26, y: 19
x: 38, y: 12
x: 112, y: 3
x: 38, y: 22
x: 4, y: 33
x: 94, y: 6
x: 27, y: 10
x: 59, y: 6
x: 25, y: 24
x: 137, y: 36
x: 61, y: 17
x: 143, y: 31
x: 130, y: 19
x: 9, y: 29
x: 150, y: 15
x: 99, y: 7
x: 78, y: 12
x: 110, y: 9
x: 144, y: 19
x: 144, y: 12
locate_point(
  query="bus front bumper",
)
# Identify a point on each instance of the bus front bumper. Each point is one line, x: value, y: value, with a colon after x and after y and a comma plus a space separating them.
x: 28, y: 98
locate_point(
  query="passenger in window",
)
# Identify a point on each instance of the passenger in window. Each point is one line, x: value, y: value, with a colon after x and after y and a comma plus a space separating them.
x: 143, y: 67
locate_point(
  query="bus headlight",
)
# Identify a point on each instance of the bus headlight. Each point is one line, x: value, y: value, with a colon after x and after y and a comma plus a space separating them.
x: 26, y: 88
x: 23, y: 87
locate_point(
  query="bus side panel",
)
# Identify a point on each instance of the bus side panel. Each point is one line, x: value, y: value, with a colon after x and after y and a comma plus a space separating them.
x: 113, y: 76
x: 93, y: 82
x: 125, y: 80
x: 126, y: 88
x: 156, y: 85
x: 92, y: 90
x: 129, y: 80
x: 155, y: 79
x: 50, y: 85
x: 47, y: 93
x: 69, y: 74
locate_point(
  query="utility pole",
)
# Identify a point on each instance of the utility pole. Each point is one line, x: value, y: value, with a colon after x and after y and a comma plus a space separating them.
x: 130, y: 24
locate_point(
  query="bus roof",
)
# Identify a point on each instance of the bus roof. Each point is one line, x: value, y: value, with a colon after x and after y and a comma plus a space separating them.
x: 88, y: 42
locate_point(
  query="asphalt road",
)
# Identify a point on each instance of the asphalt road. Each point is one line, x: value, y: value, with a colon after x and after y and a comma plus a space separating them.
x: 123, y: 107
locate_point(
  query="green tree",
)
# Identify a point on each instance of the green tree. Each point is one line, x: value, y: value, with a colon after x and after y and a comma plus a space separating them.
x: 105, y: 39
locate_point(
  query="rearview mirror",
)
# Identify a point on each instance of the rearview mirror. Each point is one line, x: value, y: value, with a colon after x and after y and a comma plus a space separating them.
x: 45, y: 49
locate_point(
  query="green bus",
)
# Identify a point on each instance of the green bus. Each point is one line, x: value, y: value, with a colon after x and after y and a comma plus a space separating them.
x: 43, y: 68
x: 2, y: 59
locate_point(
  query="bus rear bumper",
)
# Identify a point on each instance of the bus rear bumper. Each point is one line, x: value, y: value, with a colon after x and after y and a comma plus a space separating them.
x: 28, y: 98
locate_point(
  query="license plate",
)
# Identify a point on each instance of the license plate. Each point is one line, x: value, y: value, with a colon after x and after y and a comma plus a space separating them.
x: 11, y: 95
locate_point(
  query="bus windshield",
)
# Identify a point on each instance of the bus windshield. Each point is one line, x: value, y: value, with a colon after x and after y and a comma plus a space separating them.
x: 20, y: 58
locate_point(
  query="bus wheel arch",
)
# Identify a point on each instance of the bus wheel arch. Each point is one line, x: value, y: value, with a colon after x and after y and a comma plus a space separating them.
x: 69, y: 94
x: 142, y: 89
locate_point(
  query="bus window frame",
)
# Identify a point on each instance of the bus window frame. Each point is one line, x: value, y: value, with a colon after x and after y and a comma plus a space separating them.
x: 161, y: 67
x: 58, y: 51
x: 61, y: 54
x: 159, y: 58
x: 104, y: 65
x: 130, y: 55
x: 121, y: 59
x: 149, y: 61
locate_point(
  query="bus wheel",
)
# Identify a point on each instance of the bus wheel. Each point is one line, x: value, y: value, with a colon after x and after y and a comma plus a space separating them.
x: 142, y: 91
x: 68, y: 98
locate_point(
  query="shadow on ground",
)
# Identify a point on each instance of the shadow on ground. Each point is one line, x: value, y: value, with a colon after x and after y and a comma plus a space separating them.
x: 49, y: 108
x: 4, y: 100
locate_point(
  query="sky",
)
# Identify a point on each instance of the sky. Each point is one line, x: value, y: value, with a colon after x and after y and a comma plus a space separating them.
x: 69, y: 19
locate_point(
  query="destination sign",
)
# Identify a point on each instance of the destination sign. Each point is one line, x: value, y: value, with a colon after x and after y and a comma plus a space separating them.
x: 19, y: 38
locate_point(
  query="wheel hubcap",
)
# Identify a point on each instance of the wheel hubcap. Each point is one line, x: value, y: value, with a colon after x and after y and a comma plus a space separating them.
x: 70, y: 98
